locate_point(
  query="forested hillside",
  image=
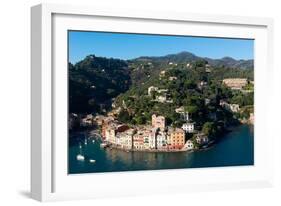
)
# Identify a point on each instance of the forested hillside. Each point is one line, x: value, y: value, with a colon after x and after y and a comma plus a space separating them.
x: 96, y: 82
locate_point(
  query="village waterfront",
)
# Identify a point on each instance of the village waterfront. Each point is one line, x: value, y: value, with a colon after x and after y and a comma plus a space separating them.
x: 235, y: 148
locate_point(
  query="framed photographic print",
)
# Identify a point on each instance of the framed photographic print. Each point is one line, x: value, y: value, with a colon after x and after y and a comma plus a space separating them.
x: 137, y: 102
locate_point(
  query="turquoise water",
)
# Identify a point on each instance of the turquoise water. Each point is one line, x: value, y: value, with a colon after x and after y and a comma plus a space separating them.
x: 234, y: 149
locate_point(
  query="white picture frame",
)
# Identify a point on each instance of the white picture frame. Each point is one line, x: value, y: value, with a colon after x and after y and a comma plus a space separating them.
x: 49, y: 178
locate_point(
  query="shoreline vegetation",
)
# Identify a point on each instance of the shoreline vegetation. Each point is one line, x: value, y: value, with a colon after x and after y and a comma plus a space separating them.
x: 168, y: 104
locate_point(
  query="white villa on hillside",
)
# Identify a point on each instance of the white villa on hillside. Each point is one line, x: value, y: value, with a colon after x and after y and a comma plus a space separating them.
x: 234, y: 107
x: 183, y: 113
x: 162, y: 74
x: 152, y: 89
x: 160, y: 95
x: 172, y: 78
x: 188, y: 127
x: 230, y: 107
x: 235, y: 83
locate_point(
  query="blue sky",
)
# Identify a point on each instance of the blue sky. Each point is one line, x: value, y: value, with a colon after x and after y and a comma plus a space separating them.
x: 128, y: 46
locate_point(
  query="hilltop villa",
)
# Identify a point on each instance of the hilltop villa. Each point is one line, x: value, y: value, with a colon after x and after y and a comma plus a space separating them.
x: 235, y: 83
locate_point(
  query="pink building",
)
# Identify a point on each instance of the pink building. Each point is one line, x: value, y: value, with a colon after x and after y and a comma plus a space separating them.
x: 158, y: 122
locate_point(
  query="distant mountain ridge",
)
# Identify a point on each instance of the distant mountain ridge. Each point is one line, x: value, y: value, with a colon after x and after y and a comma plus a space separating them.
x: 185, y: 57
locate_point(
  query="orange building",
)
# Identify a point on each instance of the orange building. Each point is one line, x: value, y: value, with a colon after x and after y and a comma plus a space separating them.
x: 176, y: 138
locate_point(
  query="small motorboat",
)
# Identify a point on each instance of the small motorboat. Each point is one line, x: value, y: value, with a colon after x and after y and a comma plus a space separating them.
x: 80, y: 157
x: 92, y: 161
x: 93, y: 141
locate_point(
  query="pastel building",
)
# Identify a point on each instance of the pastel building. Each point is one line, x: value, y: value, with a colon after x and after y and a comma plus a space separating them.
x: 111, y: 129
x: 142, y: 138
x: 152, y: 139
x: 158, y: 122
x: 146, y: 137
x: 162, y: 141
x: 175, y: 138
x: 105, y: 123
x: 252, y: 118
x: 125, y: 139
x: 138, y: 141
x: 110, y: 134
x: 189, y: 145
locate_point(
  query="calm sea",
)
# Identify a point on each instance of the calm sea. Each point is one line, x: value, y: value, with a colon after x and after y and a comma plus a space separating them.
x: 236, y: 148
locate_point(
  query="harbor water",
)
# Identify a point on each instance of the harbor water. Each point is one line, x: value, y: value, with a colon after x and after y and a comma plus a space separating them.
x: 235, y: 148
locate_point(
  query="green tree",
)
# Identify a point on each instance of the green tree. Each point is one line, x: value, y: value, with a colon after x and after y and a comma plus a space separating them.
x: 191, y: 109
x: 209, y: 129
x: 140, y: 119
x: 124, y: 116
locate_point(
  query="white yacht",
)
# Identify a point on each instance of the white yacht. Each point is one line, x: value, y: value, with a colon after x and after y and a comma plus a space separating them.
x: 80, y: 157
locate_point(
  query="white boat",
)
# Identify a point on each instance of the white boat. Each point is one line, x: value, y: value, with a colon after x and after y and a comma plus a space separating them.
x: 92, y: 161
x: 80, y: 157
x: 103, y: 145
x: 93, y: 141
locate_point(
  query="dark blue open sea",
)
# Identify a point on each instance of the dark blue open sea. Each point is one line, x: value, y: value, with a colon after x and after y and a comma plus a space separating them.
x: 236, y: 148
